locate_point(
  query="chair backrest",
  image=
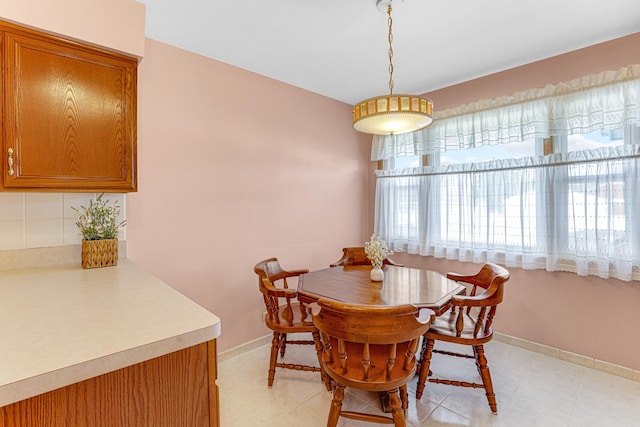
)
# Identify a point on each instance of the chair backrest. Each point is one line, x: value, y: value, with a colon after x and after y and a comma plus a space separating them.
x: 357, y: 256
x: 491, y: 278
x: 269, y: 273
x: 366, y: 345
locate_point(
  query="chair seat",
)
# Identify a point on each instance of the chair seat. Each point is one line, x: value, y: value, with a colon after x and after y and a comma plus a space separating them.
x: 444, y: 329
x: 290, y: 322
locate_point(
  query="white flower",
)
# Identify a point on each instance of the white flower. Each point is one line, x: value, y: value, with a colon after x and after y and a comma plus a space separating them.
x: 376, y: 250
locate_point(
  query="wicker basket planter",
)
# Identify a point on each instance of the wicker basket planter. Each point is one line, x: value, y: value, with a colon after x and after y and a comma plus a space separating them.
x: 99, y: 253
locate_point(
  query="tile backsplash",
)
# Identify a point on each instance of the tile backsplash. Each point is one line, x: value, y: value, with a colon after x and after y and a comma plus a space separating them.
x: 36, y: 220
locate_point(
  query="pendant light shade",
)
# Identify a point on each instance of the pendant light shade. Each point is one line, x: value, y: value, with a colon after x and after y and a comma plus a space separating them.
x: 392, y: 114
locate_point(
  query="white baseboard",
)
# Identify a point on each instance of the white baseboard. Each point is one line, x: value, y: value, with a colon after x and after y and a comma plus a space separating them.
x: 243, y: 348
x: 578, y: 359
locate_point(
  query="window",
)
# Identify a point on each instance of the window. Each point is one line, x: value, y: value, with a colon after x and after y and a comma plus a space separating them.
x: 486, y: 153
x: 596, y: 139
x: 507, y: 205
x: 403, y: 162
x: 596, y: 200
x: 546, y: 178
x: 487, y: 208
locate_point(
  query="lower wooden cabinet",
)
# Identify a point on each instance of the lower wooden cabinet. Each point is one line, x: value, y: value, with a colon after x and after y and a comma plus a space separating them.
x: 177, y: 389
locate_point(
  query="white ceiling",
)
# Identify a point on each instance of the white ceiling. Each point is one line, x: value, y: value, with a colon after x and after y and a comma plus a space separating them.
x: 338, y: 48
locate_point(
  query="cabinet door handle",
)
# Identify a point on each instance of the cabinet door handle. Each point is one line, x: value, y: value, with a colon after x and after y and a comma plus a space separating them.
x: 10, y: 161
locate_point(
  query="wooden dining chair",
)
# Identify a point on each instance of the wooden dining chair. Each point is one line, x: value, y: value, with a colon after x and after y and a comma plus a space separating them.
x: 286, y: 315
x: 468, y: 323
x: 357, y: 256
x: 370, y: 348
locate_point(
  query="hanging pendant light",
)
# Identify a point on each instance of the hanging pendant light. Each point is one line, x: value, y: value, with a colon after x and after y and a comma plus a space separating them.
x: 392, y: 114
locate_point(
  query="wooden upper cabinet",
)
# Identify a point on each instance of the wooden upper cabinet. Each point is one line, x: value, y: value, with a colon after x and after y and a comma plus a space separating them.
x: 68, y: 115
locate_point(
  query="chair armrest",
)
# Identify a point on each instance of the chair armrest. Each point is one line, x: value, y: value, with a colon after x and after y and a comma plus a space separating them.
x: 471, y: 301
x: 466, y: 279
x: 293, y: 273
x: 389, y: 261
x: 284, y: 293
x: 342, y: 261
x: 459, y: 277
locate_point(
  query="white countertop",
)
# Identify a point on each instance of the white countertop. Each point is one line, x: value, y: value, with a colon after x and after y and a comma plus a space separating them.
x: 63, y: 324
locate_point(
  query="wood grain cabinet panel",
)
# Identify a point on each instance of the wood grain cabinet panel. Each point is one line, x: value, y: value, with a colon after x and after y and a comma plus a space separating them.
x: 69, y: 114
x: 177, y: 389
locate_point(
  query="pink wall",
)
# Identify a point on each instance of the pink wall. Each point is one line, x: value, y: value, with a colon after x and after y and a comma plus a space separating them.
x: 114, y: 24
x: 591, y: 60
x: 584, y: 315
x: 234, y: 168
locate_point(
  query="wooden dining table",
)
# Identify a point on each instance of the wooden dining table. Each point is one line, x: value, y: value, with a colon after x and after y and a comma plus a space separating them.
x: 400, y: 285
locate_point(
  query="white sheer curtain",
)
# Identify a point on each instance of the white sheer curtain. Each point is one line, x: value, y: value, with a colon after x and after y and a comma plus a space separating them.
x: 567, y: 212
x: 607, y: 100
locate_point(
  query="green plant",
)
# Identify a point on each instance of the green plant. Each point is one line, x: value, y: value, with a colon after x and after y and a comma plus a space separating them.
x: 100, y: 220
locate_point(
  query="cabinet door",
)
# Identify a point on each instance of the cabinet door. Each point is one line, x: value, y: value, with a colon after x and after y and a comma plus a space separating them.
x: 69, y: 115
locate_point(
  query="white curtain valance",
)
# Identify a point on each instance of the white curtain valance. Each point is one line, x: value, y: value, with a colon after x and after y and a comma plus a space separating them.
x: 608, y: 100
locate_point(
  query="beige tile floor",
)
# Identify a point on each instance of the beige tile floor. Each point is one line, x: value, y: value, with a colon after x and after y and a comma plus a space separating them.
x: 532, y: 390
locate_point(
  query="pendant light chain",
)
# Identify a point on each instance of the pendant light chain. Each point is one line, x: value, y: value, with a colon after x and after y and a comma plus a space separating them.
x: 390, y: 38
x: 391, y: 114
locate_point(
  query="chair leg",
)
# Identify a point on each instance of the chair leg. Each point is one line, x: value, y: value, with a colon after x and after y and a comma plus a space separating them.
x: 284, y: 345
x: 475, y: 355
x: 404, y: 397
x: 486, y: 377
x: 325, y: 378
x: 424, y: 367
x: 396, y: 408
x: 275, y: 343
x: 336, y: 405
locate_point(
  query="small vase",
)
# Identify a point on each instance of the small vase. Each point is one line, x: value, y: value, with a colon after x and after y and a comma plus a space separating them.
x: 377, y: 275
